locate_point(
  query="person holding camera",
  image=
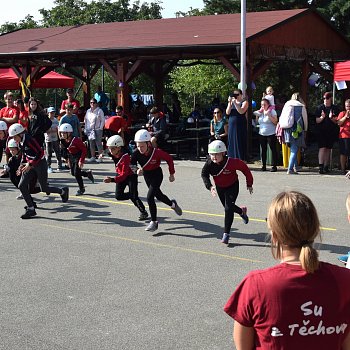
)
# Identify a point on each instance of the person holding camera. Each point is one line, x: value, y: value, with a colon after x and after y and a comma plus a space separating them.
x: 218, y: 127
x: 237, y: 125
x: 343, y: 121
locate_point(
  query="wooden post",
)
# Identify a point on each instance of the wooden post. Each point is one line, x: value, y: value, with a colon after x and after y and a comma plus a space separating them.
x: 86, y: 86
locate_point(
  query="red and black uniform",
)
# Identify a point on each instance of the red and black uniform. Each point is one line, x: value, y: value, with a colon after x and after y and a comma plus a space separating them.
x: 227, y: 184
x: 153, y: 175
x: 76, y: 150
x: 33, y: 154
x: 126, y: 177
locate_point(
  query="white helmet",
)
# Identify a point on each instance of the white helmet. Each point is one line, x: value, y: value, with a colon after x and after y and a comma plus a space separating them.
x: 65, y: 127
x: 12, y: 143
x: 216, y: 146
x: 142, y: 136
x: 115, y: 141
x: 3, y: 125
x: 190, y: 120
x: 16, y: 129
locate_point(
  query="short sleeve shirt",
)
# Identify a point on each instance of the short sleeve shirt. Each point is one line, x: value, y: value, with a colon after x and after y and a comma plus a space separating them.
x: 291, y: 309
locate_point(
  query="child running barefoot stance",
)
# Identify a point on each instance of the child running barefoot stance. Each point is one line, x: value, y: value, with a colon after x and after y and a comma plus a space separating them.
x: 223, y: 170
x: 124, y: 175
x: 149, y: 158
x: 33, y: 164
x: 76, y: 151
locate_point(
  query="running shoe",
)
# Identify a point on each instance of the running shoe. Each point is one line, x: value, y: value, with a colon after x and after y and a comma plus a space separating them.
x: 20, y: 196
x: 152, y: 226
x: 176, y: 207
x: 225, y: 238
x: 143, y: 216
x: 90, y: 176
x: 344, y: 258
x: 28, y: 214
x: 244, y: 215
x: 49, y: 170
x: 65, y: 194
x: 80, y: 192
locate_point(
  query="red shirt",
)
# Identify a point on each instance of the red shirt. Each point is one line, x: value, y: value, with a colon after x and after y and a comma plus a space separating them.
x: 76, y: 146
x: 344, y: 132
x: 224, y: 174
x: 9, y: 112
x: 115, y: 123
x: 74, y: 102
x: 23, y: 119
x: 290, y: 309
x: 122, y: 168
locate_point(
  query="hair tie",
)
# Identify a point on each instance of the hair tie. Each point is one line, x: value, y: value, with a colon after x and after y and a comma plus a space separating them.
x: 304, y: 243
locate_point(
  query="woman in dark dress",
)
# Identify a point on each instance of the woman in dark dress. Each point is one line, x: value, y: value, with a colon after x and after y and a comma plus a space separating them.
x: 237, y: 125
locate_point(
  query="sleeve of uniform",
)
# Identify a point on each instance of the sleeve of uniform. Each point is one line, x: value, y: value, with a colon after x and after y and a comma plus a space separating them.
x: 168, y: 158
x: 241, y: 166
x: 206, y: 176
x: 37, y: 150
x: 241, y: 306
x: 81, y: 146
x: 123, y: 169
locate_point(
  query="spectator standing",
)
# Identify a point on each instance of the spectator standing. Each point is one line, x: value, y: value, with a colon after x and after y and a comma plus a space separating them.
x: 23, y: 113
x: 344, y: 136
x: 291, y: 306
x: 218, y: 126
x: 39, y: 123
x: 237, y: 125
x: 71, y: 119
x: 70, y: 100
x: 102, y: 99
x: 9, y: 115
x: 52, y: 141
x: 267, y: 120
x: 94, y: 124
x: 327, y: 131
x: 294, y: 137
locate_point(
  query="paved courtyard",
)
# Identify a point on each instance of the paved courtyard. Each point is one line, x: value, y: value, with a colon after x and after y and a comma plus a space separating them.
x: 85, y: 274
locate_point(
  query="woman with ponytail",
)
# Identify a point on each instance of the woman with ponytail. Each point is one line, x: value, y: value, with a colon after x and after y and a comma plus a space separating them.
x: 300, y: 303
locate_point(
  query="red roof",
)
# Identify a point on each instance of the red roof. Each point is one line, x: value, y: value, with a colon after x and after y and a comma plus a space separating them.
x: 173, y: 32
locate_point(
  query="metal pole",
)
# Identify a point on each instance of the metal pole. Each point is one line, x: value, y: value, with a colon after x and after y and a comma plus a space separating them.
x: 103, y: 77
x: 243, y: 46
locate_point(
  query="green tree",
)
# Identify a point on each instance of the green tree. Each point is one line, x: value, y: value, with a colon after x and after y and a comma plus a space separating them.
x: 27, y: 23
x: 200, y: 82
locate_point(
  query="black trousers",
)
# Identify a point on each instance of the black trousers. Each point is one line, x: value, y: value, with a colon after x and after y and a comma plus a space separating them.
x: 39, y: 171
x: 271, y: 140
x: 154, y: 179
x: 228, y: 196
x: 133, y: 195
x: 77, y: 172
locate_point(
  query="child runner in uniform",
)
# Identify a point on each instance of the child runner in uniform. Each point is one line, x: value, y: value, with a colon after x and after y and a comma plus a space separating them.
x: 33, y: 164
x: 149, y: 158
x: 301, y: 303
x: 124, y: 175
x: 223, y: 170
x: 13, y: 165
x: 76, y: 151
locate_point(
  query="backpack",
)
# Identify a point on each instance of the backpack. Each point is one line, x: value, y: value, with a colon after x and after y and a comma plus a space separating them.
x: 286, y: 119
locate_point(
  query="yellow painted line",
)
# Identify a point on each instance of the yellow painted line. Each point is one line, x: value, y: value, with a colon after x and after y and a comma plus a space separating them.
x: 159, y: 245
x: 184, y: 211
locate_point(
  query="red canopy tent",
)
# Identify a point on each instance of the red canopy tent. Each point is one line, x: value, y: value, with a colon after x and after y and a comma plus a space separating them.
x: 342, y: 71
x: 10, y: 81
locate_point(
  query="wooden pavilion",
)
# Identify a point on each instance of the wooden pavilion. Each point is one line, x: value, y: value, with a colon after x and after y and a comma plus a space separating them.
x: 154, y: 47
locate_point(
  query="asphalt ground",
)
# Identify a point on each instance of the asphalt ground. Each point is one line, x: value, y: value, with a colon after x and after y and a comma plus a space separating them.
x: 86, y: 275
